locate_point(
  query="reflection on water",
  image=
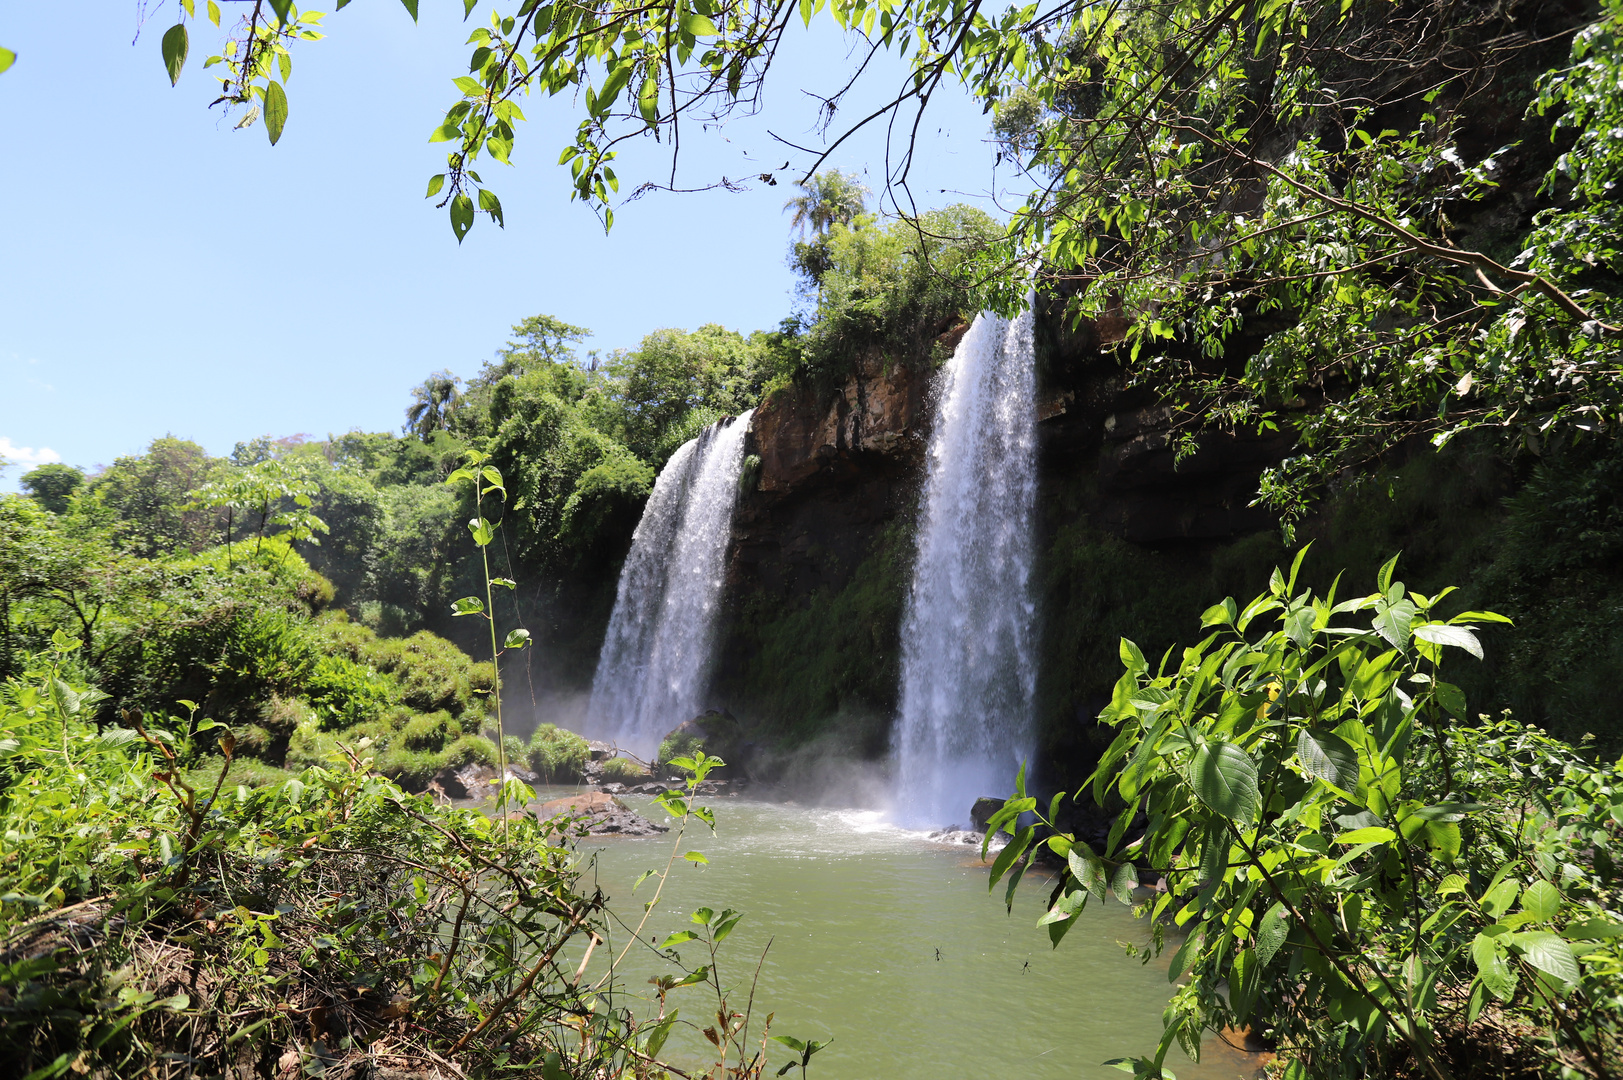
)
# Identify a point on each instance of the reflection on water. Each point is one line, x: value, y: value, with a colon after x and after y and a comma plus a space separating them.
x: 893, y: 948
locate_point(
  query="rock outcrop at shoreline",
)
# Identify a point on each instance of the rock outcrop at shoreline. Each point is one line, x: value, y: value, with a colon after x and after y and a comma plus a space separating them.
x: 599, y: 814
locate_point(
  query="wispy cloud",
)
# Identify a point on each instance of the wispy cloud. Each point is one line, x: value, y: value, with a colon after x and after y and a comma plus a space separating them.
x: 27, y: 455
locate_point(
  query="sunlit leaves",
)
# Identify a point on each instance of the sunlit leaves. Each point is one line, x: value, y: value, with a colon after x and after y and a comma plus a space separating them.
x: 175, y: 44
x: 275, y: 110
x: 1225, y: 779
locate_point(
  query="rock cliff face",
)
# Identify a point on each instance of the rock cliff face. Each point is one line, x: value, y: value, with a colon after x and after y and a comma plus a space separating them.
x: 834, y: 468
x: 822, y: 539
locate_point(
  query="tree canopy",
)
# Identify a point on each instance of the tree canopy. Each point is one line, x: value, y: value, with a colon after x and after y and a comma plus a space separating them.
x: 1345, y: 218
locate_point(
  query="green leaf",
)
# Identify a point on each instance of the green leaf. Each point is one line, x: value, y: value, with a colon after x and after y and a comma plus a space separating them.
x: 697, y: 25
x: 468, y: 605
x: 461, y: 216
x: 1594, y: 930
x: 681, y: 937
x: 1447, y: 811
x: 1012, y: 851
x: 1373, y: 834
x: 1480, y: 616
x: 1542, y: 901
x: 1326, y: 756
x: 1548, y: 953
x: 1132, y: 656
x: 1384, y: 578
x: 492, y: 205
x: 1089, y: 870
x: 1498, y: 899
x: 1123, y: 882
x: 483, y: 531
x: 175, y: 45
x: 1457, y: 636
x: 1451, y: 698
x: 7, y: 58
x: 411, y: 8
x: 275, y: 110
x: 1222, y: 614
x: 1491, y: 968
x: 435, y: 183
x: 1225, y: 779
x: 1271, y: 933
x: 283, y: 9
x: 516, y: 639
x: 661, y: 1032
x: 1185, y: 954
x: 446, y: 132
x: 696, y: 857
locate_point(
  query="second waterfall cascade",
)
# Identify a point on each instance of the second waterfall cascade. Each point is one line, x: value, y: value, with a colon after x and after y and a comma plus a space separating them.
x: 968, y: 663
x: 656, y: 658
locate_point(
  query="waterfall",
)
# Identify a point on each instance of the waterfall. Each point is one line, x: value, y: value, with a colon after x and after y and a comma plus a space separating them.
x: 655, y: 663
x: 968, y: 670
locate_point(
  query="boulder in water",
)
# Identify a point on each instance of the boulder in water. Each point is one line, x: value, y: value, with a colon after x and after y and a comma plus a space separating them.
x: 601, y: 814
x: 471, y: 781
x: 982, y: 812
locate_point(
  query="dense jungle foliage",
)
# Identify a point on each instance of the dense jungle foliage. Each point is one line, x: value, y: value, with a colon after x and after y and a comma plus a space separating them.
x: 1388, y: 234
x: 1347, y: 858
x: 162, y: 922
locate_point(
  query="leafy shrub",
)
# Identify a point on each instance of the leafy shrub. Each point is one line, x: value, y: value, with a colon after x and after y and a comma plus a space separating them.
x: 346, y: 693
x: 430, y: 672
x: 623, y: 771
x: 431, y: 731
x: 558, y: 755
x: 1361, y: 876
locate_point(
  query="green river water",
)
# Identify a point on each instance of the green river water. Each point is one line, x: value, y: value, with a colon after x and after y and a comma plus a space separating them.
x: 892, y: 947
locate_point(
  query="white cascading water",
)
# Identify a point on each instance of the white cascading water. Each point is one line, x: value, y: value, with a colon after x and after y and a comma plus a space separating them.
x: 968, y: 668
x: 655, y: 663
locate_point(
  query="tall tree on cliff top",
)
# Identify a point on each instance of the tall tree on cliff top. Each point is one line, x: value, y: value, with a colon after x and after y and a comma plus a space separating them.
x: 433, y: 402
x: 829, y: 198
x: 1275, y: 199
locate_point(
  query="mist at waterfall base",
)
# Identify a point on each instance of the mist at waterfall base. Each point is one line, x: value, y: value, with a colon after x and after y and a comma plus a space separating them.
x: 968, y: 668
x: 654, y: 668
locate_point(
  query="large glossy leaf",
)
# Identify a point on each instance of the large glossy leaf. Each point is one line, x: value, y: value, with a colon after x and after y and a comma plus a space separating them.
x: 1542, y: 901
x: 1548, y: 953
x: 1457, y: 636
x: 1326, y: 756
x: 1225, y: 779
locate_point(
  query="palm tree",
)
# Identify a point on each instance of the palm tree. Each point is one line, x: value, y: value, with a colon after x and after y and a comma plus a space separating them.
x: 432, y: 405
x: 831, y: 197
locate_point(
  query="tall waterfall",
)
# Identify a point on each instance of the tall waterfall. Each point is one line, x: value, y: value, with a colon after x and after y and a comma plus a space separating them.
x: 655, y: 663
x: 968, y: 670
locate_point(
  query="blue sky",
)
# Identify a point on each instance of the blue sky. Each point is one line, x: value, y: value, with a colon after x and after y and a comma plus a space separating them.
x: 165, y: 273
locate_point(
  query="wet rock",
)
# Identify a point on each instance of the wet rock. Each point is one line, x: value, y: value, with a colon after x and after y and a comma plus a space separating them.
x: 471, y: 781
x: 651, y: 788
x: 613, y: 789
x: 967, y: 838
x: 982, y: 811
x: 600, y: 751
x: 601, y: 814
